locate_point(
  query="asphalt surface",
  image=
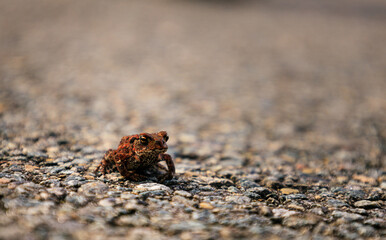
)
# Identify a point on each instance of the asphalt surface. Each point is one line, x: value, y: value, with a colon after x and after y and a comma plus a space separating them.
x: 276, y: 114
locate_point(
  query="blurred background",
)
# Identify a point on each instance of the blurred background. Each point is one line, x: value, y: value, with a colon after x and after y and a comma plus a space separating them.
x: 301, y: 79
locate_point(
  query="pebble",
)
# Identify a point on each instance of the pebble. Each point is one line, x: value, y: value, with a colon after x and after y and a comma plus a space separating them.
x: 376, y: 222
x: 238, y: 199
x: 317, y: 211
x: 73, y: 183
x: 337, y: 203
x: 187, y: 226
x: 5, y: 180
x: 207, y: 189
x: 377, y: 194
x: 155, y: 193
x: 288, y: 191
x: 59, y: 192
x: 30, y: 168
x: 366, y: 231
x: 233, y: 189
x: 296, y: 207
x: 28, y: 188
x: 220, y: 182
x: 365, y: 179
x: 265, y: 211
x: 246, y: 184
x: 183, y: 193
x: 107, y: 202
x: 271, y: 183
x: 205, y: 205
x: 127, y: 195
x: 261, y: 191
x: 347, y: 216
x: 295, y: 196
x: 132, y: 221
x: 77, y: 200
x: 356, y: 195
x: 282, y: 213
x: 367, y: 204
x: 298, y: 221
x: 93, y: 188
x: 146, y: 187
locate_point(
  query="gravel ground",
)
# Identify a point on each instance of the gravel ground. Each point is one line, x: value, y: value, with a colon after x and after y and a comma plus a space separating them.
x: 276, y: 114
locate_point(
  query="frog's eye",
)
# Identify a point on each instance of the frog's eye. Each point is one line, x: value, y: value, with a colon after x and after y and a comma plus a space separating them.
x: 143, y: 140
x: 166, y: 138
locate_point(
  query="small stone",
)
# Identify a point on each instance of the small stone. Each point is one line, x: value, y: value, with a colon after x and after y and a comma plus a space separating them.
x: 366, y: 231
x: 28, y: 187
x: 233, y: 189
x: 187, y: 226
x: 253, y: 195
x: 272, y: 183
x: 356, y: 195
x: 107, y: 202
x: 156, y: 193
x: 127, y: 195
x: 89, y: 177
x: 337, y: 203
x: 347, y: 216
x: 365, y: 179
x: 133, y: 221
x: 377, y: 194
x: 93, y: 188
x: 376, y: 222
x: 280, y: 212
x: 265, y: 211
x: 73, y: 183
x: 298, y: 221
x: 131, y: 206
x: 262, y: 191
x: 295, y: 196
x: 296, y: 207
x: 342, y: 179
x: 182, y: 200
x: 207, y: 189
x: 56, y: 170
x: 317, y: 211
x: 145, y: 187
x: 5, y: 180
x: 77, y: 200
x: 59, y: 192
x: 238, y: 199
x: 246, y: 184
x: 183, y: 193
x: 205, y: 205
x: 288, y: 190
x: 367, y: 204
x: 220, y: 182
x: 30, y: 168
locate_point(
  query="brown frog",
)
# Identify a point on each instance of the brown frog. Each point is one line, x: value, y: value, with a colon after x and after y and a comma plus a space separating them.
x: 137, y: 153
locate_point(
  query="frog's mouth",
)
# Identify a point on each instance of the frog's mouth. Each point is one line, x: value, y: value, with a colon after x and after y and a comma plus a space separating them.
x: 154, y: 151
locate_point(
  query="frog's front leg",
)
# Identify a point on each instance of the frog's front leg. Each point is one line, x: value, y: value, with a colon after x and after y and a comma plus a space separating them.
x: 171, y: 169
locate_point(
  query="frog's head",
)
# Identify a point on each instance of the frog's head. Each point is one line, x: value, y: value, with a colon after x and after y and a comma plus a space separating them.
x: 154, y: 143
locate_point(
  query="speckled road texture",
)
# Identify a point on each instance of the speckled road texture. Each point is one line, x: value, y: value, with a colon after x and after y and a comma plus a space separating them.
x: 275, y: 109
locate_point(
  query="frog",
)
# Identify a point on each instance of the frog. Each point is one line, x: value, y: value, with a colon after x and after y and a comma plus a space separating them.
x: 136, y: 154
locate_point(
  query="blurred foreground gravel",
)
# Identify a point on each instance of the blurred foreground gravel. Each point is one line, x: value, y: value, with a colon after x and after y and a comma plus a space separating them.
x: 276, y: 114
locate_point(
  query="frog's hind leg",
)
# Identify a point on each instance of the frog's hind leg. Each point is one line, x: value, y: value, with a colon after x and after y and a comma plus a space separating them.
x: 106, y: 163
